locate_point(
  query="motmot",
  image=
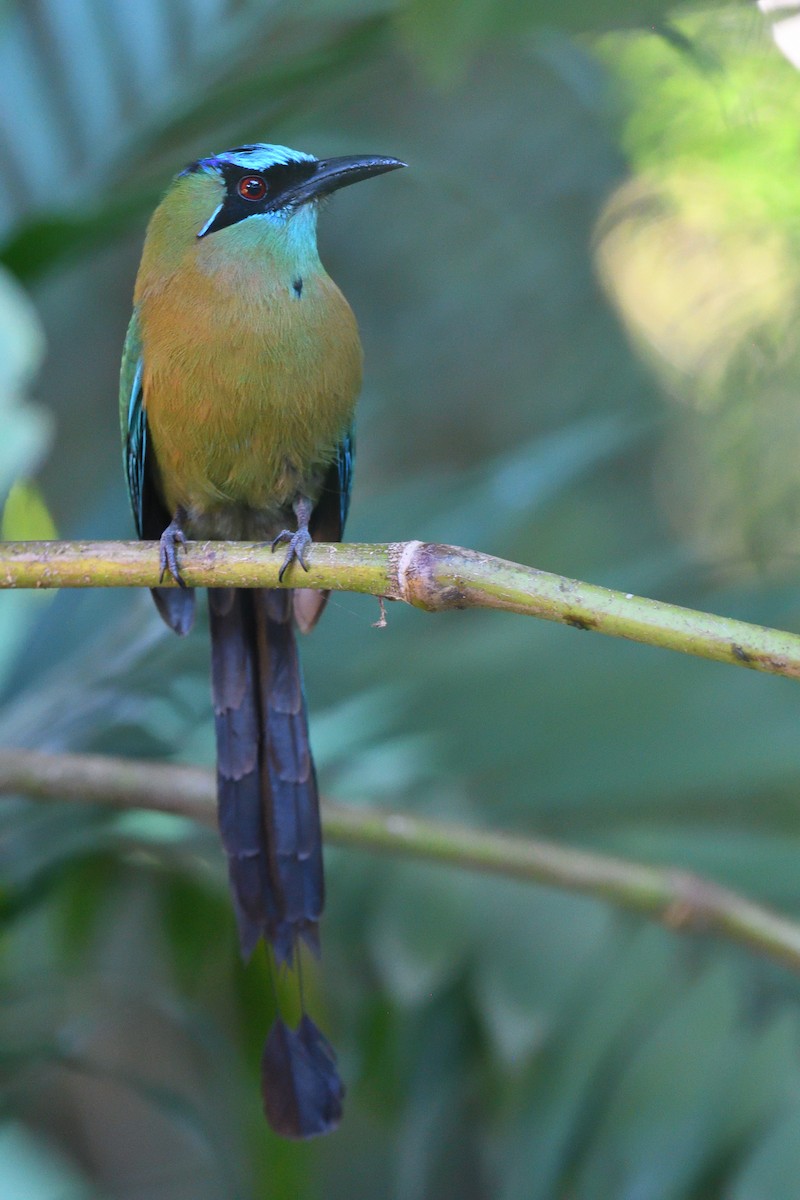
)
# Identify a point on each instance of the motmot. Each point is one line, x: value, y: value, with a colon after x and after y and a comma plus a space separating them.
x: 240, y: 373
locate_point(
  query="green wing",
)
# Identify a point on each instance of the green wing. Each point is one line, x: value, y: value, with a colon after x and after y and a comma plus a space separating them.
x: 148, y: 511
x: 176, y: 605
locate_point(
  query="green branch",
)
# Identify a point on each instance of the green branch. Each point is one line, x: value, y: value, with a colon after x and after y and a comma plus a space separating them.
x: 426, y: 575
x: 679, y: 899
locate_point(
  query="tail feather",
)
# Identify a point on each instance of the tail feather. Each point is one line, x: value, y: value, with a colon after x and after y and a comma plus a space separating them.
x: 176, y: 606
x: 290, y: 779
x: 270, y: 826
x: 237, y: 720
x: 309, y: 1098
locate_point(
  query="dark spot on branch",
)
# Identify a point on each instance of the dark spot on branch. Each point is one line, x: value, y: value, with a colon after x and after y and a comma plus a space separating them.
x: 580, y: 622
x: 740, y: 653
x: 297, y: 287
x: 452, y: 597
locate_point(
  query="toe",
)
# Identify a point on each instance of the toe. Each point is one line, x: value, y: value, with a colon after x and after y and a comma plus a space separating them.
x: 300, y: 551
x: 296, y: 552
x: 168, y: 555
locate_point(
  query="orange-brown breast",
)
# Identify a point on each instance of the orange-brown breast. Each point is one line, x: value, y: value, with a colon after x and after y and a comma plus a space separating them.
x: 248, y: 386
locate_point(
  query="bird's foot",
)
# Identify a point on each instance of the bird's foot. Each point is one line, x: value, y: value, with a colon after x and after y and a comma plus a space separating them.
x: 298, y: 543
x: 172, y: 537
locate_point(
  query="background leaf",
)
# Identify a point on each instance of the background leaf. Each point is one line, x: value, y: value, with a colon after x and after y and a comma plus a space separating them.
x: 579, y: 315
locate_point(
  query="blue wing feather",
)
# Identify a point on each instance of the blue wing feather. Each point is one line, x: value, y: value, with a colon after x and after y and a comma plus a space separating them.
x: 330, y: 512
x: 133, y: 422
x: 136, y: 449
x: 345, y: 463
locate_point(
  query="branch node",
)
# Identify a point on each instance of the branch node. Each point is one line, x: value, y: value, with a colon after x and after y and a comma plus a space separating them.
x: 407, y: 561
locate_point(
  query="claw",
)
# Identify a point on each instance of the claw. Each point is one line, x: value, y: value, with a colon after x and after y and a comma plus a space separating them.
x: 172, y: 537
x: 298, y: 543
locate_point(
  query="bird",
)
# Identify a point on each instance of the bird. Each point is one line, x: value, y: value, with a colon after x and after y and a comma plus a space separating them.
x: 240, y: 373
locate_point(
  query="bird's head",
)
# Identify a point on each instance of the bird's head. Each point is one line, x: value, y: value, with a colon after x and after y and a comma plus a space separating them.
x: 249, y: 205
x: 274, y: 183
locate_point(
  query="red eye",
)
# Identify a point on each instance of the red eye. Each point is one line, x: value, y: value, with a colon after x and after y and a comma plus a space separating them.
x: 252, y: 187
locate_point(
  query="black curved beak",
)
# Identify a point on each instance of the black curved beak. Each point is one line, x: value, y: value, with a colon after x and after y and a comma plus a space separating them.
x: 330, y: 174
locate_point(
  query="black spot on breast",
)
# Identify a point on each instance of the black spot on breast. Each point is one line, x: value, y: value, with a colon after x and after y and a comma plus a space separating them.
x: 297, y: 287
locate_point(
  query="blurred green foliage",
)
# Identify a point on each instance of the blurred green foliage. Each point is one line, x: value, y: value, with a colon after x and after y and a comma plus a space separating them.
x: 579, y: 311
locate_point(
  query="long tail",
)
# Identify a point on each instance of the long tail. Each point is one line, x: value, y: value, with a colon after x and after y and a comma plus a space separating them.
x: 270, y: 826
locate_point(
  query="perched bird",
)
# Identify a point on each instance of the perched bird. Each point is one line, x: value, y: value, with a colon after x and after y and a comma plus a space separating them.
x: 240, y: 373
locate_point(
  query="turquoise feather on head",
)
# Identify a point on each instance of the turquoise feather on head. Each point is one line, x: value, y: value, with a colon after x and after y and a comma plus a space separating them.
x: 257, y: 156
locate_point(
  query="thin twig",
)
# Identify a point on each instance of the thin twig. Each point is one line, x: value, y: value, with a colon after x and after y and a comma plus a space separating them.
x: 428, y: 576
x: 679, y: 899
